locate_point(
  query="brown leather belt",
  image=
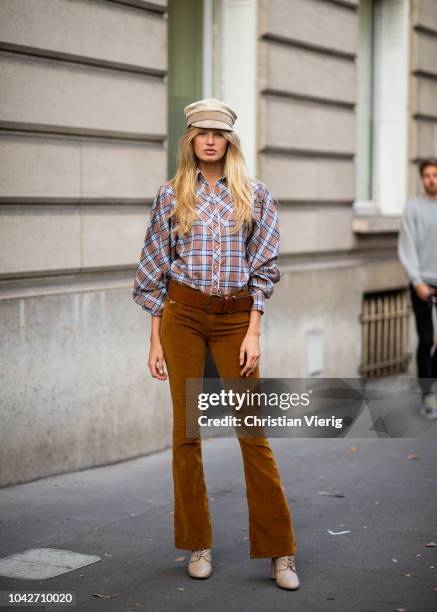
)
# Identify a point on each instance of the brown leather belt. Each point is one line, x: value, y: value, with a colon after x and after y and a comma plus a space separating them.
x: 234, y: 301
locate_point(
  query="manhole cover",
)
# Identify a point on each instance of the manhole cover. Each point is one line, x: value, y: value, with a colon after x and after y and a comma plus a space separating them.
x: 40, y: 563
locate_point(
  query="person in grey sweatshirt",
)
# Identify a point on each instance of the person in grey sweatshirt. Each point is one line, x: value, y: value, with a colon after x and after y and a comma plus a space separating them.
x: 417, y: 250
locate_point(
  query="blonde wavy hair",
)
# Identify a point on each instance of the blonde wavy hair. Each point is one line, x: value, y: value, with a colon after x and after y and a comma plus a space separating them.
x: 184, y: 181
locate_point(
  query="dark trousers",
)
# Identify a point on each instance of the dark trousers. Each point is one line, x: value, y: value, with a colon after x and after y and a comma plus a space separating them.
x: 426, y: 358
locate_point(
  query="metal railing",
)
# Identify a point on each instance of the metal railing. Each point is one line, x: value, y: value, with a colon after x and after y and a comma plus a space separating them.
x: 385, y: 333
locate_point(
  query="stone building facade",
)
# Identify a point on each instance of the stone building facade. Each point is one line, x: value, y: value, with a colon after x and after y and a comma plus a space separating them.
x: 337, y: 102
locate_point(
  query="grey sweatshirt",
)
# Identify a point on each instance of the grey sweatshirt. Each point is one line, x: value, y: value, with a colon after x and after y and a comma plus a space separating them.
x: 417, y: 244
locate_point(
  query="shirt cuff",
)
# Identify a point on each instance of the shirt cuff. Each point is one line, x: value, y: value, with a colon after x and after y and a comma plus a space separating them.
x: 258, y: 300
x: 152, y: 302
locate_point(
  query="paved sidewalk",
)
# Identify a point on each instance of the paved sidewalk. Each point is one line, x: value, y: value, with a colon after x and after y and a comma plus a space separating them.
x: 123, y: 513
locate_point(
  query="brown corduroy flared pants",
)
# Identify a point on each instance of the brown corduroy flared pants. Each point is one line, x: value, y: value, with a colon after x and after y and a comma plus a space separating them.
x: 185, y: 332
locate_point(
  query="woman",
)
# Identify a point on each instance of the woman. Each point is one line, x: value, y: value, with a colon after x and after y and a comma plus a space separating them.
x: 207, y: 265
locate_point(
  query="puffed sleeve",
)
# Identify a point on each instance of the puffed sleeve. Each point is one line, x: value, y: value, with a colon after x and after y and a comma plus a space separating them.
x: 262, y: 249
x: 150, y: 285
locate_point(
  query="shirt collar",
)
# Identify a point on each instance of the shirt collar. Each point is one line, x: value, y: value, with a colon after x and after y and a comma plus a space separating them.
x: 200, y: 175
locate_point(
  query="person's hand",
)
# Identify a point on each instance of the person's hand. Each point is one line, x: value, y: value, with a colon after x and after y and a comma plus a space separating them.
x: 156, y: 360
x: 250, y: 349
x: 424, y: 291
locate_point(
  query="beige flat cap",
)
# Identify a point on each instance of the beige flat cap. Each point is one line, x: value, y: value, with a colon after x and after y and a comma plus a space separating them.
x: 210, y: 113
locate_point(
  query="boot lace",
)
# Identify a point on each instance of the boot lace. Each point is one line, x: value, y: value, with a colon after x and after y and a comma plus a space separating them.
x: 284, y: 563
x: 204, y: 553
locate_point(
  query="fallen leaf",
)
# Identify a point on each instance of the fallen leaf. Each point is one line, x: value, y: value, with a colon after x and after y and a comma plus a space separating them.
x: 180, y: 558
x: 352, y: 449
x: 431, y: 544
x: 413, y: 456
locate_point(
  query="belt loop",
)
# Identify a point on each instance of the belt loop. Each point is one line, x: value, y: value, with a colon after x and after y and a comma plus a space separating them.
x: 232, y: 303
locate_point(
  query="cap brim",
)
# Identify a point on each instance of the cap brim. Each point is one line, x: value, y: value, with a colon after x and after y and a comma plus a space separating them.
x: 210, y: 123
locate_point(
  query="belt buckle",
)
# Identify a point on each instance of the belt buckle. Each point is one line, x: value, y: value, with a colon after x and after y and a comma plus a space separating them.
x: 234, y: 301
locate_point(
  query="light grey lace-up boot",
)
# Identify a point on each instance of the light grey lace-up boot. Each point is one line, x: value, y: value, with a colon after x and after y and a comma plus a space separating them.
x: 284, y: 572
x: 200, y: 564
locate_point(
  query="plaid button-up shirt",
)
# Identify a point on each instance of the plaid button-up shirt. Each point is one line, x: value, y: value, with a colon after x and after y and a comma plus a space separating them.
x: 209, y: 259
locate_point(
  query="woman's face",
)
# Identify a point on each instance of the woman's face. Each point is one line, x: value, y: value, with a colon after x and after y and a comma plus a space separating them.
x: 210, y: 145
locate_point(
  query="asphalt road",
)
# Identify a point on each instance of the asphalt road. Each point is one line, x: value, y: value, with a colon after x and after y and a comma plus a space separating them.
x: 383, y: 492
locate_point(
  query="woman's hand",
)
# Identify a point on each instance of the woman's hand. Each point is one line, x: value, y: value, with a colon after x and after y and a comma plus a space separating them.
x: 156, y: 360
x: 250, y: 345
x: 250, y: 350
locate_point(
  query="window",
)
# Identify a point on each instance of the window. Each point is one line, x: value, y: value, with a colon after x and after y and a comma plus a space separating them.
x: 382, y: 106
x: 185, y: 67
x: 211, y: 55
x: 364, y: 109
